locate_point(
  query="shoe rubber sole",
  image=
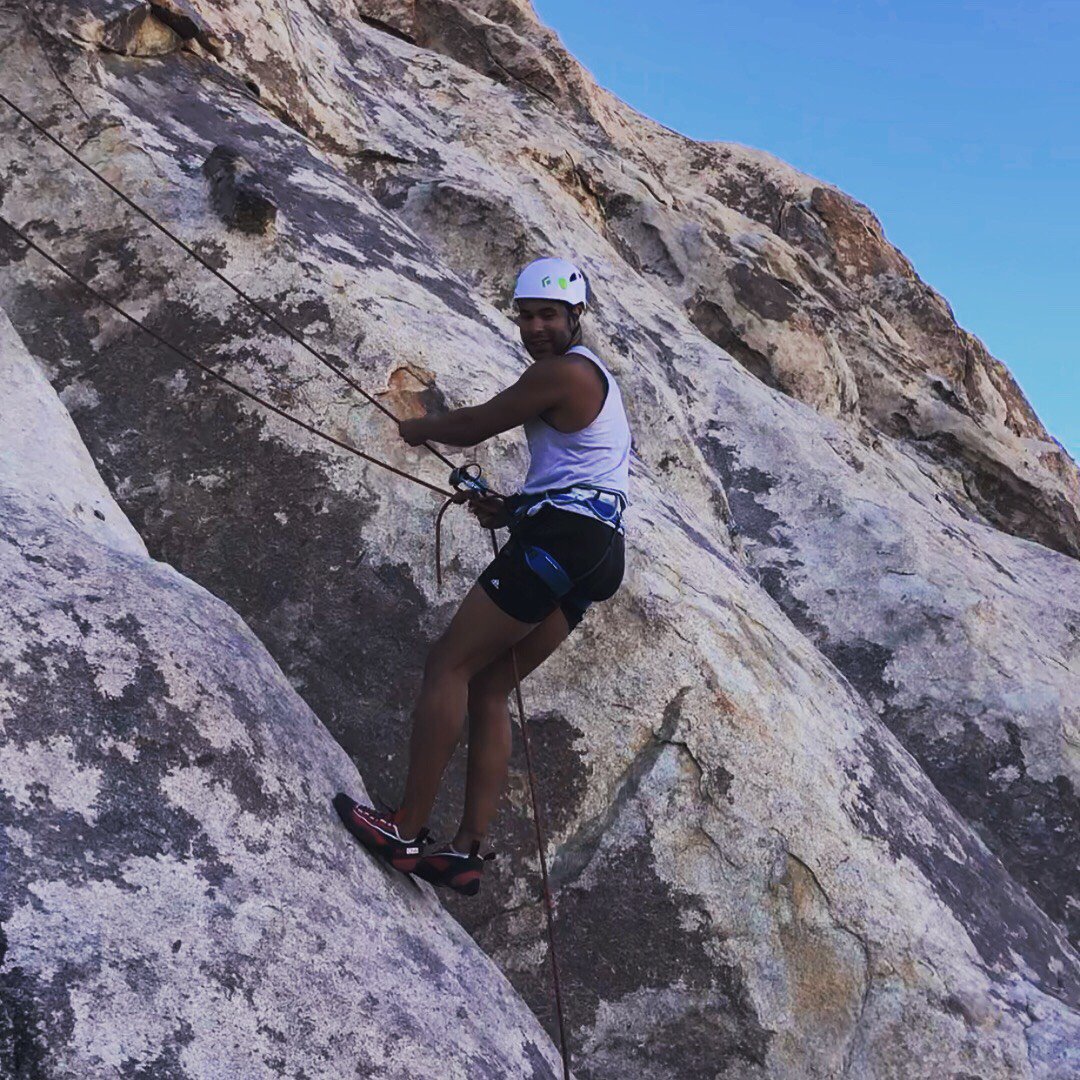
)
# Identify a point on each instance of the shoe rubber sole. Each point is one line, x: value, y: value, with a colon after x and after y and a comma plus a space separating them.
x: 399, y: 855
x: 445, y: 871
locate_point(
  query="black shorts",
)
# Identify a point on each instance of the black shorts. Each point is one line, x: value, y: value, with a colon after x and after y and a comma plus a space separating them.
x: 591, y: 552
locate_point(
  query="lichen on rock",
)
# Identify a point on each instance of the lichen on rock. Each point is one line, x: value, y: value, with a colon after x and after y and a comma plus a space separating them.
x: 810, y: 776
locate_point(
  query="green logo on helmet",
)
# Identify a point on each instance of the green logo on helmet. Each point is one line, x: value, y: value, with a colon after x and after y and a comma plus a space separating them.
x: 563, y: 283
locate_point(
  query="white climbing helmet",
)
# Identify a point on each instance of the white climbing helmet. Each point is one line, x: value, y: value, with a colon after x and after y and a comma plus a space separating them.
x: 552, y: 279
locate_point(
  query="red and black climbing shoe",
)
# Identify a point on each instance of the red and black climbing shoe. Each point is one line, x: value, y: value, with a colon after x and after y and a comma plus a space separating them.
x: 377, y: 831
x: 446, y: 867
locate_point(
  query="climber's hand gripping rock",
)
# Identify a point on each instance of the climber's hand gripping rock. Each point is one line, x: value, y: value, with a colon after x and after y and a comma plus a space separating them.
x: 414, y: 432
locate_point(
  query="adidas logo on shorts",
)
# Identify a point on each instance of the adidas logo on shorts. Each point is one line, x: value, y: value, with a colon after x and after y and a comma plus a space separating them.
x: 495, y: 582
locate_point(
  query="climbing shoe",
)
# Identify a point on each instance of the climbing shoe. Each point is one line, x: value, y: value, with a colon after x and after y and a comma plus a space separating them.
x: 446, y: 867
x: 377, y: 831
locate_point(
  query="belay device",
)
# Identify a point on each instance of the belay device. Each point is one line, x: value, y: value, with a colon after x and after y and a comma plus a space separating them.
x: 462, y: 478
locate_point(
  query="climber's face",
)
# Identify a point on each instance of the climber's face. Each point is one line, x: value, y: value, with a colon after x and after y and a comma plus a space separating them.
x: 546, y: 327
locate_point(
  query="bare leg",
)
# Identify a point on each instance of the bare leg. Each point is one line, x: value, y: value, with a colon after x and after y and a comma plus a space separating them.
x: 478, y: 634
x: 489, y: 726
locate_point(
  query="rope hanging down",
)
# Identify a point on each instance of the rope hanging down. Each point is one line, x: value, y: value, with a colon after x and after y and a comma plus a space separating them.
x: 548, y: 900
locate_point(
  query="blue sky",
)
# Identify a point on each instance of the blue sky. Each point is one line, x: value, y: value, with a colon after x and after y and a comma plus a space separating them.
x: 957, y: 123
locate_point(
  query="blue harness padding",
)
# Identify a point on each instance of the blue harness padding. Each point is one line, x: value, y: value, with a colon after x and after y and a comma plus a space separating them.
x: 548, y: 569
x: 599, y: 503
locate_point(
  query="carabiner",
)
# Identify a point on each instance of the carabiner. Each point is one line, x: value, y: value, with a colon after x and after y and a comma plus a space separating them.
x: 462, y: 478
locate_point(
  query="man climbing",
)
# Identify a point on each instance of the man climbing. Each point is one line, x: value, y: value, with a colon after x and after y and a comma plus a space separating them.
x: 566, y: 550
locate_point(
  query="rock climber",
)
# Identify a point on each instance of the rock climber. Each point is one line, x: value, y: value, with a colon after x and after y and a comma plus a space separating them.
x: 565, y: 551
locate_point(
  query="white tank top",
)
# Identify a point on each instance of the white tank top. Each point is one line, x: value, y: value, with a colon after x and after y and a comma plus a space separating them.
x: 597, y: 456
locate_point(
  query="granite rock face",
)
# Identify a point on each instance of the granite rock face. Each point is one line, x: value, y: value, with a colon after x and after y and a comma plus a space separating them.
x: 236, y: 191
x: 810, y: 777
x: 178, y: 898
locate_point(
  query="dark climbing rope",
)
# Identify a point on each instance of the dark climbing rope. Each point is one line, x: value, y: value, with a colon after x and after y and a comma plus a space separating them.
x: 284, y: 327
x: 214, y: 374
x: 549, y: 902
x: 269, y: 315
x: 549, y: 906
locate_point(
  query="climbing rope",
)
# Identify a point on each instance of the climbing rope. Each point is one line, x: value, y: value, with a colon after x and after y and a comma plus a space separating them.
x: 280, y: 324
x: 549, y: 906
x: 214, y: 374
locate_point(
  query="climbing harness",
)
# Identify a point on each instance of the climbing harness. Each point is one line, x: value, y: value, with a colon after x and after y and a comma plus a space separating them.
x: 596, y: 503
x: 599, y: 503
x: 460, y: 477
x: 542, y: 562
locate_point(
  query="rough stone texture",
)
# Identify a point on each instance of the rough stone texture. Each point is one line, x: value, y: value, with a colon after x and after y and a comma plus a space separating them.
x: 182, y: 17
x: 178, y: 896
x: 811, y: 780
x: 237, y: 193
x: 130, y: 27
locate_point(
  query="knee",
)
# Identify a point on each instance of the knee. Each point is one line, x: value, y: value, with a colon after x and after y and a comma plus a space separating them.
x: 439, y: 660
x: 487, y: 690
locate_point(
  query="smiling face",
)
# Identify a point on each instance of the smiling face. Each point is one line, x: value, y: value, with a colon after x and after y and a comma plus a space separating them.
x: 546, y: 327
